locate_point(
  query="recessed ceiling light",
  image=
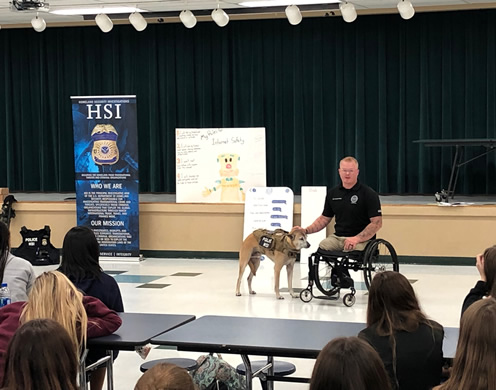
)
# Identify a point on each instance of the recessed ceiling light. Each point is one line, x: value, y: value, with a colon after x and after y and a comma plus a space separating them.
x: 96, y: 10
x: 275, y: 3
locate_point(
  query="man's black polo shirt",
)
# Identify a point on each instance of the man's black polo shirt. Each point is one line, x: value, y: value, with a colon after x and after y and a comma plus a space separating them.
x: 353, y: 208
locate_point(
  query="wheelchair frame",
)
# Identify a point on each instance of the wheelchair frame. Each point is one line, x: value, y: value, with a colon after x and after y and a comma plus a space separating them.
x: 367, y: 261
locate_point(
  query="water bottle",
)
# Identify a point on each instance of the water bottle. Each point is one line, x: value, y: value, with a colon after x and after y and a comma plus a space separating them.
x: 4, y: 295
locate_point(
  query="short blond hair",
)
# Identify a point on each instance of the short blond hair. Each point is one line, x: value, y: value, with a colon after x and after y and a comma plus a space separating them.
x: 349, y: 159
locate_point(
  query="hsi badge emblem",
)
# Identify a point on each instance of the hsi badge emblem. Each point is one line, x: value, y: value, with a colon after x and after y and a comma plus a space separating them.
x: 105, y: 150
x: 354, y: 199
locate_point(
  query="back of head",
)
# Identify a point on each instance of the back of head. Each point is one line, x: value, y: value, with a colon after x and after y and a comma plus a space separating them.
x: 80, y: 253
x: 490, y: 269
x: 474, y: 365
x: 41, y: 356
x: 54, y: 296
x: 349, y: 364
x: 392, y: 304
x: 165, y: 376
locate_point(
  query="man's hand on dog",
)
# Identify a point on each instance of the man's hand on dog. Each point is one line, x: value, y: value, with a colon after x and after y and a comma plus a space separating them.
x: 350, y: 243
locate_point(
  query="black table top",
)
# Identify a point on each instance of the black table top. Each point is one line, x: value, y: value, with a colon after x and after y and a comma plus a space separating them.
x: 138, y: 329
x: 458, y: 142
x: 257, y: 336
x: 268, y: 336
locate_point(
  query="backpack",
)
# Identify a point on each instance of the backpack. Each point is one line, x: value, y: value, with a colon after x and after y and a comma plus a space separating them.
x: 214, y: 373
x: 37, y: 248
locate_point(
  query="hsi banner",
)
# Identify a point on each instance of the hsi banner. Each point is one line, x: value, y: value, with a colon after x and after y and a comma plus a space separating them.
x: 106, y: 164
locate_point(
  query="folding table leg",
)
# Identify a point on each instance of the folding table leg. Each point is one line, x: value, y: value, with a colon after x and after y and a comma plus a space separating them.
x: 270, y: 372
x: 248, y: 373
x: 110, y: 371
x: 83, y: 385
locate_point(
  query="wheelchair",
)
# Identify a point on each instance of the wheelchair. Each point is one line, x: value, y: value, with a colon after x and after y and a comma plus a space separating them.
x: 329, y: 270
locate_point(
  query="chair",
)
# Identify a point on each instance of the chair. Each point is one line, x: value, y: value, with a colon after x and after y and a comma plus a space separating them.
x: 329, y: 270
x: 187, y: 364
x: 280, y: 369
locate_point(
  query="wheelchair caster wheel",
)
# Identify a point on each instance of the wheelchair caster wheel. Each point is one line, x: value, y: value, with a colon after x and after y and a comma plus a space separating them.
x: 306, y: 295
x: 349, y: 300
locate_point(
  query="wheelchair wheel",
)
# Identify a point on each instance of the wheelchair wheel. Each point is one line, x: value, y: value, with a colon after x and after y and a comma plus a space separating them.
x: 323, y: 272
x: 306, y: 295
x: 349, y: 300
x: 379, y: 256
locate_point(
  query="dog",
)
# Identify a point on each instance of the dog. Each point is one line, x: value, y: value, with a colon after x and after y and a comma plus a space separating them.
x: 279, y: 246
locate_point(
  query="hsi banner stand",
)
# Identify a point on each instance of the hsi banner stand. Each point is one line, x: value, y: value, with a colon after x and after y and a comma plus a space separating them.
x: 106, y: 164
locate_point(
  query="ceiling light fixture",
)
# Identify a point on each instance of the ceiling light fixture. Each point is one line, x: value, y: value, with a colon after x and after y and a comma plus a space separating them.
x: 348, y: 12
x: 104, y: 22
x: 406, y: 9
x: 293, y: 14
x: 138, y: 21
x: 188, y: 18
x: 220, y: 17
x: 38, y: 23
x: 276, y: 3
x: 96, y: 11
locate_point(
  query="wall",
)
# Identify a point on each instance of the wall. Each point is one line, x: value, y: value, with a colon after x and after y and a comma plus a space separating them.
x: 414, y: 230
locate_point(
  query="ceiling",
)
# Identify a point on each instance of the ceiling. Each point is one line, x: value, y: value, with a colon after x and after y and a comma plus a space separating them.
x: 168, y: 10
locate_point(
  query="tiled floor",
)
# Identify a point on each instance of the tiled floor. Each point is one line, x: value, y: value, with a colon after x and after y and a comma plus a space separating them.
x: 202, y: 287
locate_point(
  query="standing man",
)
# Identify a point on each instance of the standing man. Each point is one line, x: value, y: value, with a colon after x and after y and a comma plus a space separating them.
x: 357, y: 209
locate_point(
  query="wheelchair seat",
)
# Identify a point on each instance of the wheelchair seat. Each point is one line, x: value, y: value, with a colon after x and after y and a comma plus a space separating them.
x: 350, y: 254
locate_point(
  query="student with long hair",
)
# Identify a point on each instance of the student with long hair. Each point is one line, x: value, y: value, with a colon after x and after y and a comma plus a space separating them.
x: 41, y: 356
x: 409, y: 344
x: 474, y: 365
x: 16, y: 272
x: 165, y: 376
x: 80, y: 263
x: 486, y: 265
x: 348, y: 363
x: 54, y: 296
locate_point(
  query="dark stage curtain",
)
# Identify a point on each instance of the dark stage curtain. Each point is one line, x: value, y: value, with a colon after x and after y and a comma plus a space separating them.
x: 323, y: 90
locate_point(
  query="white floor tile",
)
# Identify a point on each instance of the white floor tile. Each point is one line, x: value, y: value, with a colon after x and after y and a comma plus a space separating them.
x: 440, y: 289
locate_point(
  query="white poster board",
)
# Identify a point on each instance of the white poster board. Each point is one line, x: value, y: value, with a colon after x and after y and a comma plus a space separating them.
x: 268, y: 208
x: 218, y: 165
x: 312, y: 205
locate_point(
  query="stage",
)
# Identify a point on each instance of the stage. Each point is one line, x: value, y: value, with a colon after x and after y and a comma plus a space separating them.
x: 420, y: 229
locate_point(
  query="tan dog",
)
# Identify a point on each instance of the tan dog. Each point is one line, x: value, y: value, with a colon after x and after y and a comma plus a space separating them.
x: 279, y: 246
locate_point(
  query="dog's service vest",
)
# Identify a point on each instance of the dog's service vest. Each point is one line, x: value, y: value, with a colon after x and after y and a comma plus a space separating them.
x: 275, y: 240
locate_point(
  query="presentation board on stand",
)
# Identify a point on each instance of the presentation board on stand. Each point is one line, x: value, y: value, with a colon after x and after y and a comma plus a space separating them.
x: 218, y: 165
x: 268, y: 208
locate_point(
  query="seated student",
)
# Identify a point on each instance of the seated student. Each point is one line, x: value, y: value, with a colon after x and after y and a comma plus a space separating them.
x: 486, y: 265
x: 80, y: 253
x: 54, y: 296
x: 474, y: 365
x: 410, y: 345
x: 349, y: 363
x: 41, y: 356
x: 16, y: 272
x: 165, y: 376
